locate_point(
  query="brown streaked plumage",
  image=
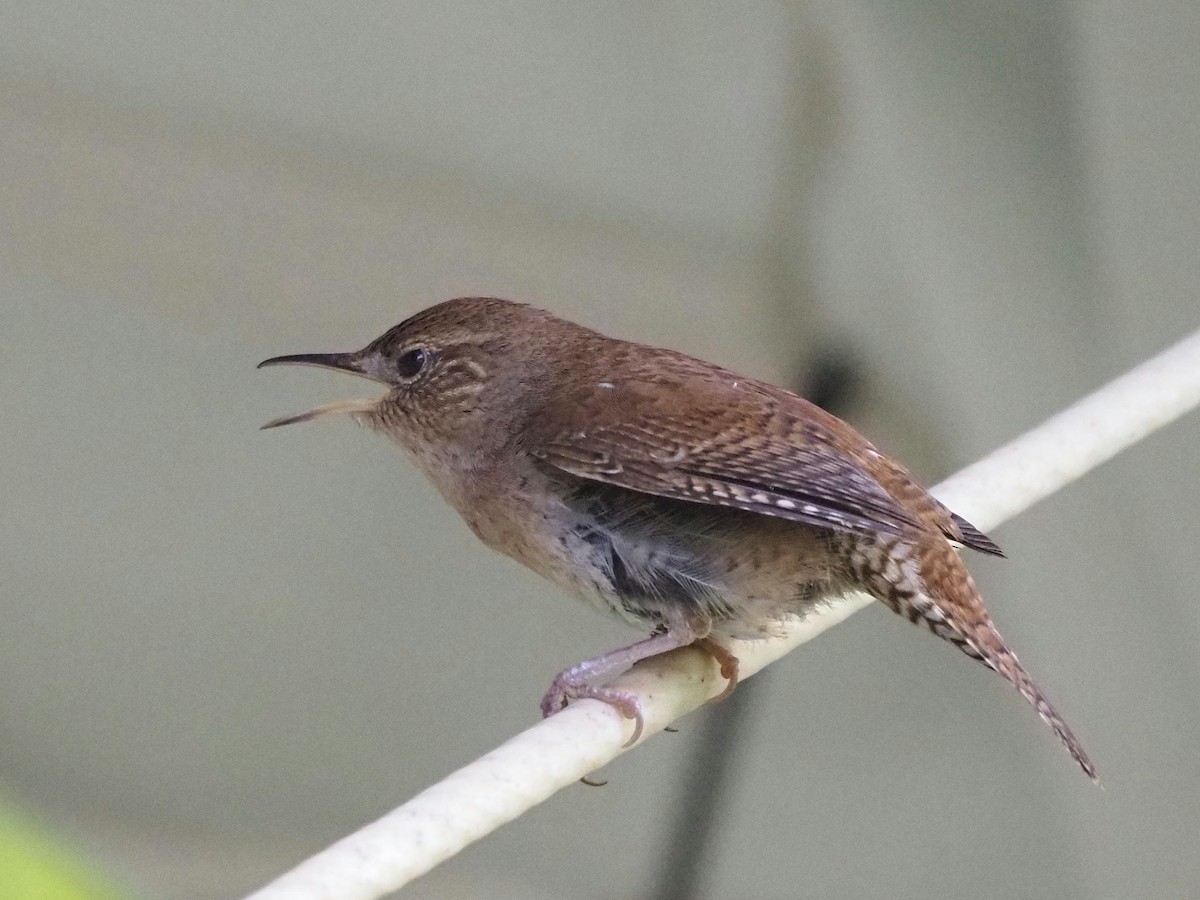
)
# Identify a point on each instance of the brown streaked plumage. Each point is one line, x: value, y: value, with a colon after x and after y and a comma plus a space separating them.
x: 684, y: 498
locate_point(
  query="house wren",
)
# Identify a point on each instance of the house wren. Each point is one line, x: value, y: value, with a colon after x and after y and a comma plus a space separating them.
x: 689, y: 501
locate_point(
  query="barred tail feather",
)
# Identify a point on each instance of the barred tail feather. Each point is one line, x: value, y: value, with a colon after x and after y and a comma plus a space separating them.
x: 926, y: 582
x: 1007, y: 665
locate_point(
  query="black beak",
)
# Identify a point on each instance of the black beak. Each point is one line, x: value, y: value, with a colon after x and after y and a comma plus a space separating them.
x: 347, y: 362
x: 354, y: 363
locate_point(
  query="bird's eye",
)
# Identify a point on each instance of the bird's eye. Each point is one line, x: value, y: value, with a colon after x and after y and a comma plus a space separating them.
x: 411, y: 362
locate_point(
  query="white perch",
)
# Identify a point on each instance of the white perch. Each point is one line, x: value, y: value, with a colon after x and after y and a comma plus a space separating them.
x: 472, y: 802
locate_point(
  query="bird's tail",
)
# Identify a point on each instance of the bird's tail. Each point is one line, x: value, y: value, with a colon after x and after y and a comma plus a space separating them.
x: 953, y: 593
x: 926, y: 582
x: 1006, y: 663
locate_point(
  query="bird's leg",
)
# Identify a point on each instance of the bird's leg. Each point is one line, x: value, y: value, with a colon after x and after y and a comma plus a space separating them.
x: 579, y: 681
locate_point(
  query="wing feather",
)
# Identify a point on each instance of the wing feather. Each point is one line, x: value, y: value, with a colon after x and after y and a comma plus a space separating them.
x: 972, y: 537
x: 737, y: 444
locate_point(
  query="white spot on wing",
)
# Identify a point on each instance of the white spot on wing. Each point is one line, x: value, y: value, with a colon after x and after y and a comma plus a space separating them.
x: 676, y: 457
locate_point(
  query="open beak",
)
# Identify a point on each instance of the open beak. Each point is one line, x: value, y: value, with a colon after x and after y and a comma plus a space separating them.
x: 355, y: 363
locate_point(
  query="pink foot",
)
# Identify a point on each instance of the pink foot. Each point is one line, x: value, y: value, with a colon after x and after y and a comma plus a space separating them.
x: 727, y: 661
x: 565, y: 688
x: 580, y: 680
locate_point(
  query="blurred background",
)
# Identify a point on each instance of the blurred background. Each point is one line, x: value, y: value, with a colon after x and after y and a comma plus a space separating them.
x: 222, y: 649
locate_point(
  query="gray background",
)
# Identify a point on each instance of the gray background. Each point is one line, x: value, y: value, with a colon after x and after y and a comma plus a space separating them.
x: 221, y: 649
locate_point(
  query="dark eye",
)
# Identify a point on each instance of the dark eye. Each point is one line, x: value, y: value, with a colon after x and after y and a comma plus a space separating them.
x: 411, y: 362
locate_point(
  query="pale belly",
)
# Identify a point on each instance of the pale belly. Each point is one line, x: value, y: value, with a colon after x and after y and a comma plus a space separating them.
x: 651, y: 560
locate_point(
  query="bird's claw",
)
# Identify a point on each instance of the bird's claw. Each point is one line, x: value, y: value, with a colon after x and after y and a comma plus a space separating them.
x: 563, y: 689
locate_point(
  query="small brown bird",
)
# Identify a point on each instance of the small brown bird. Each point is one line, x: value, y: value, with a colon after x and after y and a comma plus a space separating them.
x: 684, y: 498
